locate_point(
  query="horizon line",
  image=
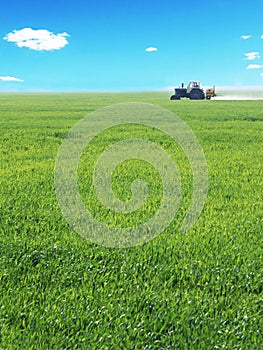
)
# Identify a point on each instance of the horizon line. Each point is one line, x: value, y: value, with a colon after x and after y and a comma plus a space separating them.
x: 164, y: 90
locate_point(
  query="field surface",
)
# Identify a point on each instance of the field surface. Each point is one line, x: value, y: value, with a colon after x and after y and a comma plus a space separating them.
x: 198, y: 290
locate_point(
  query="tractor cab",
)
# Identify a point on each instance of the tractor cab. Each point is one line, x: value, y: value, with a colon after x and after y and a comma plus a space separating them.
x: 193, y: 85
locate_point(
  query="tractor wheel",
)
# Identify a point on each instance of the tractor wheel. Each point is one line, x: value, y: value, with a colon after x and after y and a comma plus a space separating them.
x: 174, y: 97
x: 196, y: 94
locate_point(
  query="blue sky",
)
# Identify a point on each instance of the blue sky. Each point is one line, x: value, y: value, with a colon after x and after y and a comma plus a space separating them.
x: 101, y: 45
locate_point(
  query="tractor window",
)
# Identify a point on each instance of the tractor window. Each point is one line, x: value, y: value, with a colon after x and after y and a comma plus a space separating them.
x: 196, y: 84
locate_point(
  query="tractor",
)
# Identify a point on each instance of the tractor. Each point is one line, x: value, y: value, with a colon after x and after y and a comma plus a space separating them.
x: 194, y: 91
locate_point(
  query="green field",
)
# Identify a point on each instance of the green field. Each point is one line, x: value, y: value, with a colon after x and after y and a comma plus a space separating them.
x: 198, y: 290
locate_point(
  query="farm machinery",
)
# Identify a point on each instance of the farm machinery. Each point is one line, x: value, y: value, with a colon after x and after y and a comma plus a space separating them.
x: 194, y: 91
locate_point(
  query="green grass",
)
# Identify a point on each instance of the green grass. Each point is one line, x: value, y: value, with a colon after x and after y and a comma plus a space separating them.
x: 199, y: 290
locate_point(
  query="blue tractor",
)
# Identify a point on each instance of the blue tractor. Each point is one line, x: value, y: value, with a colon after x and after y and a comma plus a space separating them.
x: 193, y: 91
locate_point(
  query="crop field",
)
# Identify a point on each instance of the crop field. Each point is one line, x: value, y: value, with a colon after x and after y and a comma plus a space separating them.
x: 196, y: 290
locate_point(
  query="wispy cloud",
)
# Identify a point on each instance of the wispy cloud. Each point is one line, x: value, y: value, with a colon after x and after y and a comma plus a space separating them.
x: 245, y: 37
x: 250, y: 56
x: 151, y: 49
x: 37, y: 39
x: 254, y: 66
x: 8, y: 78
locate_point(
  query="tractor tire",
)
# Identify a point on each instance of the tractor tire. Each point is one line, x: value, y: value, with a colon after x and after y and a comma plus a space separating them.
x: 197, y: 94
x: 174, y: 97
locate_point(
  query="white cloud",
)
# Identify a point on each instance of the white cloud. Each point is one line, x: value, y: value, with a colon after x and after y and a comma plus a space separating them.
x: 254, y: 66
x: 37, y: 39
x: 245, y: 37
x: 151, y: 49
x: 261, y: 36
x: 250, y: 56
x: 261, y: 74
x: 8, y: 78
